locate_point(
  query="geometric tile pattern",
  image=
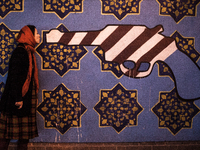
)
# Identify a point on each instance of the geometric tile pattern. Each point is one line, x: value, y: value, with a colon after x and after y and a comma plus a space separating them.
x: 118, y: 108
x: 7, y: 6
x: 58, y: 57
x: 186, y: 45
x: 61, y: 109
x: 164, y: 70
x: 62, y: 7
x: 120, y: 8
x: 107, y: 65
x: 7, y: 45
x: 178, y: 9
x: 173, y: 113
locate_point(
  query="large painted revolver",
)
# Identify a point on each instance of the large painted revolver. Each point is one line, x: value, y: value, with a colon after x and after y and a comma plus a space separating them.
x: 136, y: 49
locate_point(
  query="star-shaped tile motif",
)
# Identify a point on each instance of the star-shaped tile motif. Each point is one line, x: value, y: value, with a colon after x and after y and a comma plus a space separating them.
x: 7, y: 45
x: 61, y: 109
x: 105, y: 65
x: 173, y: 113
x: 62, y: 7
x: 118, y: 108
x: 58, y: 57
x: 186, y: 45
x: 178, y: 9
x: 164, y: 70
x: 120, y: 8
x: 7, y: 6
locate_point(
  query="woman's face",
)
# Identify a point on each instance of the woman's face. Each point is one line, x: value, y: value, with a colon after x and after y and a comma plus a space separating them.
x: 37, y: 36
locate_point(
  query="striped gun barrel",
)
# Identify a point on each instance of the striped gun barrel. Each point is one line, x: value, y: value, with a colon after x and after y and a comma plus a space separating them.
x: 139, y: 45
x: 122, y: 43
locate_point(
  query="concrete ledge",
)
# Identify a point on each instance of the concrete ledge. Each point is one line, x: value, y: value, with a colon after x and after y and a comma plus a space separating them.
x: 182, y: 145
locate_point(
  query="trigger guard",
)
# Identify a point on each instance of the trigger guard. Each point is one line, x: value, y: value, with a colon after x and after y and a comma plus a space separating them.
x: 129, y: 64
x: 144, y: 66
x: 142, y: 70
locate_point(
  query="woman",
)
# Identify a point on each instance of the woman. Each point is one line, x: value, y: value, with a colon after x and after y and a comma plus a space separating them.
x: 19, y: 100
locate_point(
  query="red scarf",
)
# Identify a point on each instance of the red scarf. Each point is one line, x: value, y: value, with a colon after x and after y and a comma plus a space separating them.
x: 26, y: 37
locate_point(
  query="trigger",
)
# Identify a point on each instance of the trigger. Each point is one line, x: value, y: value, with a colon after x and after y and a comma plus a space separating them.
x: 144, y: 66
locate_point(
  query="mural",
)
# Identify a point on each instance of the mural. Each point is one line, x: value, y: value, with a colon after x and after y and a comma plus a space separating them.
x: 137, y: 44
x: 111, y: 70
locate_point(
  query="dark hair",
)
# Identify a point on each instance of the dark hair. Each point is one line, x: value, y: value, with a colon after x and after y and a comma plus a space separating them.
x: 32, y: 28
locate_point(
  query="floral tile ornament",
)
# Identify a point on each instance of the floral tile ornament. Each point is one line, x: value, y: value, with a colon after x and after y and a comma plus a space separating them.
x: 120, y: 8
x: 107, y: 65
x: 7, y: 45
x: 62, y: 8
x: 61, y: 108
x: 118, y: 108
x: 165, y: 71
x: 186, y: 45
x: 7, y: 6
x: 59, y: 57
x: 178, y: 9
x: 173, y: 113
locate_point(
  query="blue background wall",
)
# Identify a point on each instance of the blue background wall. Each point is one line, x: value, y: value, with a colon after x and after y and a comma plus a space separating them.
x: 89, y: 79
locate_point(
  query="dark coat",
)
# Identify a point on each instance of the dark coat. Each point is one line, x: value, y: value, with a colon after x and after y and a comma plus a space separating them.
x: 17, y: 74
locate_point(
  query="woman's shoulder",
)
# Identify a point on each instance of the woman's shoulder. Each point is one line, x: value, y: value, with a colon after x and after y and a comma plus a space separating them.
x: 19, y: 53
x: 20, y: 47
x: 19, y: 50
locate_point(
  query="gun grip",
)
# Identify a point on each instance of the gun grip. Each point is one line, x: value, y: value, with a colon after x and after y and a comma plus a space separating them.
x: 186, y: 74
